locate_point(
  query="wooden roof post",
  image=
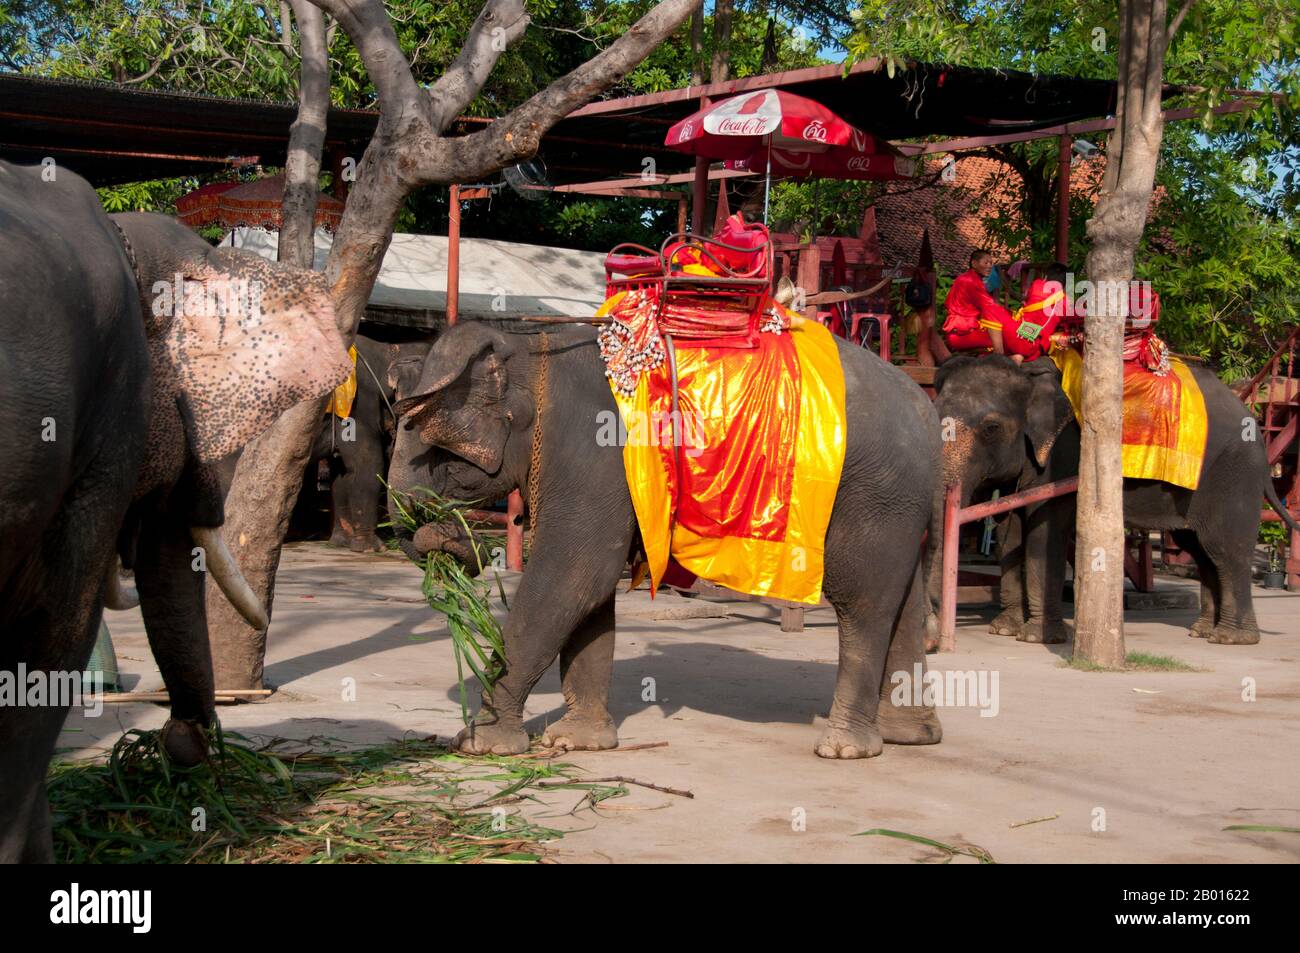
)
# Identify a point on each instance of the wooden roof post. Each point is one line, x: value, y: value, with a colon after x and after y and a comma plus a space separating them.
x: 1064, y: 146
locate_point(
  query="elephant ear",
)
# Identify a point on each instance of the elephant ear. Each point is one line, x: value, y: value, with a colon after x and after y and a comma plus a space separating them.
x: 463, y: 403
x: 1048, y: 411
x: 248, y: 340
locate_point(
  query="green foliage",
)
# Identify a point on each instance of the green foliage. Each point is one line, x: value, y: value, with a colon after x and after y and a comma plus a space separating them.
x: 1276, y: 536
x: 669, y: 66
x: 827, y: 206
x: 241, y: 49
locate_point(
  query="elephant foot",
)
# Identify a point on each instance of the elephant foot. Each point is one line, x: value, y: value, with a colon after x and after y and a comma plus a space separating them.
x: 908, y: 726
x: 1044, y: 632
x: 845, y: 744
x: 1232, y: 635
x: 185, y: 742
x: 1009, y: 622
x: 491, y: 738
x: 578, y: 732
x: 1201, y: 629
x: 366, y: 543
x: 931, y: 643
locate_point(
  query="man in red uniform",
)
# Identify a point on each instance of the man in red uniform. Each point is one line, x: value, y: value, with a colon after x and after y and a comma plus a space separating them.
x: 975, y: 321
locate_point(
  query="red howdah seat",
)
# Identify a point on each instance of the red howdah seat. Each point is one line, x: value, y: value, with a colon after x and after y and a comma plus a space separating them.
x: 708, y: 291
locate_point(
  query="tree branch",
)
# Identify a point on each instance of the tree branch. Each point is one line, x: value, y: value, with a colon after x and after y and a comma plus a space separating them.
x: 286, y: 29
x: 306, y: 139
x: 1179, y: 17
x: 367, y: 23
x: 516, y: 136
x: 499, y: 24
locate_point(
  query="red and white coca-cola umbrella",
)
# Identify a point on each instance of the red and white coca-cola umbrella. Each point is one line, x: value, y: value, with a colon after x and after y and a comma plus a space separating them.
x: 862, y: 157
x: 768, y: 119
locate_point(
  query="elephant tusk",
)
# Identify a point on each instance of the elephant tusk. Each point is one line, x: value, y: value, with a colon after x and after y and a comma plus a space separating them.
x: 117, y: 596
x: 225, y: 571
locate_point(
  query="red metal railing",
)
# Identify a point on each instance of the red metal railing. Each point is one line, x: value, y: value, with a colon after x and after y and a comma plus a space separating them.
x: 954, y: 517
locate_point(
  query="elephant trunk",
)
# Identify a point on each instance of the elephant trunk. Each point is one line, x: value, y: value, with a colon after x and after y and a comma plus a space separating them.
x: 231, y: 582
x: 117, y: 596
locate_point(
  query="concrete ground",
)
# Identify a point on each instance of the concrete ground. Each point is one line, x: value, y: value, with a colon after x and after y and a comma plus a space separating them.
x: 1129, y: 767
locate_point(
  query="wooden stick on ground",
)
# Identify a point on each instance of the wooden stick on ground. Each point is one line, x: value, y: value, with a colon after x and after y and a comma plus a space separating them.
x: 613, y: 779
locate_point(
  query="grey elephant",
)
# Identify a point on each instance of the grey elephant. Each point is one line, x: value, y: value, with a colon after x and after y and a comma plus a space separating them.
x: 467, y: 431
x: 135, y: 357
x: 1013, y: 427
x: 361, y: 450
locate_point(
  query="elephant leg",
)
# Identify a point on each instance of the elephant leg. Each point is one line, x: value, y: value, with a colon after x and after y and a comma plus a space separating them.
x: 356, y: 507
x: 586, y: 662
x: 867, y: 582
x: 54, y: 640
x: 1229, y: 544
x: 1204, y: 623
x: 908, y: 724
x: 1011, y: 587
x: 567, y: 580
x: 175, y: 617
x: 1044, y: 549
x: 356, y: 492
x: 50, y: 612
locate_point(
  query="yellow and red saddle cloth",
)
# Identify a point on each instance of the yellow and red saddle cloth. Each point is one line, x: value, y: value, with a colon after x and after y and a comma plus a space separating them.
x: 746, y: 498
x: 1165, y: 423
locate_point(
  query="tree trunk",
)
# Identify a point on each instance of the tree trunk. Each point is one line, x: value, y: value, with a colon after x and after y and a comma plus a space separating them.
x: 721, y: 66
x: 407, y: 151
x: 269, y: 474
x: 1115, y: 230
x: 697, y: 46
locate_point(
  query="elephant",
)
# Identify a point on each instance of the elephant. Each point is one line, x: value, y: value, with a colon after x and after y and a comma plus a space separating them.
x: 499, y: 406
x: 1011, y: 426
x: 135, y: 357
x: 360, y: 450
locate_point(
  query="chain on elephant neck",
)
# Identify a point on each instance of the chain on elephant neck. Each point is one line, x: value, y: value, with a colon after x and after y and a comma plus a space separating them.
x: 129, y: 249
x: 535, y: 459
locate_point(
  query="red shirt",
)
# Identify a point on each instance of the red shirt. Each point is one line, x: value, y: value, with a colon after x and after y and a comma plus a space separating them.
x: 969, y: 305
x: 1045, y: 305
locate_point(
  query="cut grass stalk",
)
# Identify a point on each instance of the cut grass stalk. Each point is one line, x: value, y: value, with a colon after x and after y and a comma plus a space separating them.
x: 404, y: 801
x: 950, y: 850
x: 475, y: 634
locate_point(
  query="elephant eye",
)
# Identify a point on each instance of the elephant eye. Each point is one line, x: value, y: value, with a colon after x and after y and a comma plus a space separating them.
x: 992, y: 428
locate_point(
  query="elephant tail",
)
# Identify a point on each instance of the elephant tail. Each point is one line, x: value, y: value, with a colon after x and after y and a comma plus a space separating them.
x: 1270, y: 494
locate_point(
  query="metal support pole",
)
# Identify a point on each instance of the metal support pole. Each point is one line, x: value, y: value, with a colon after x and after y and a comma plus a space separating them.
x: 948, y: 603
x: 1064, y: 144
x: 699, y: 195
x: 453, y: 254
x: 515, y: 531
x: 515, y: 502
x: 700, y: 187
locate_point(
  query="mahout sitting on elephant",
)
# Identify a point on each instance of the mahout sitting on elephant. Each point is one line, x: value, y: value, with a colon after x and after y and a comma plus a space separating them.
x: 470, y: 430
x: 136, y: 356
x: 1012, y: 427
